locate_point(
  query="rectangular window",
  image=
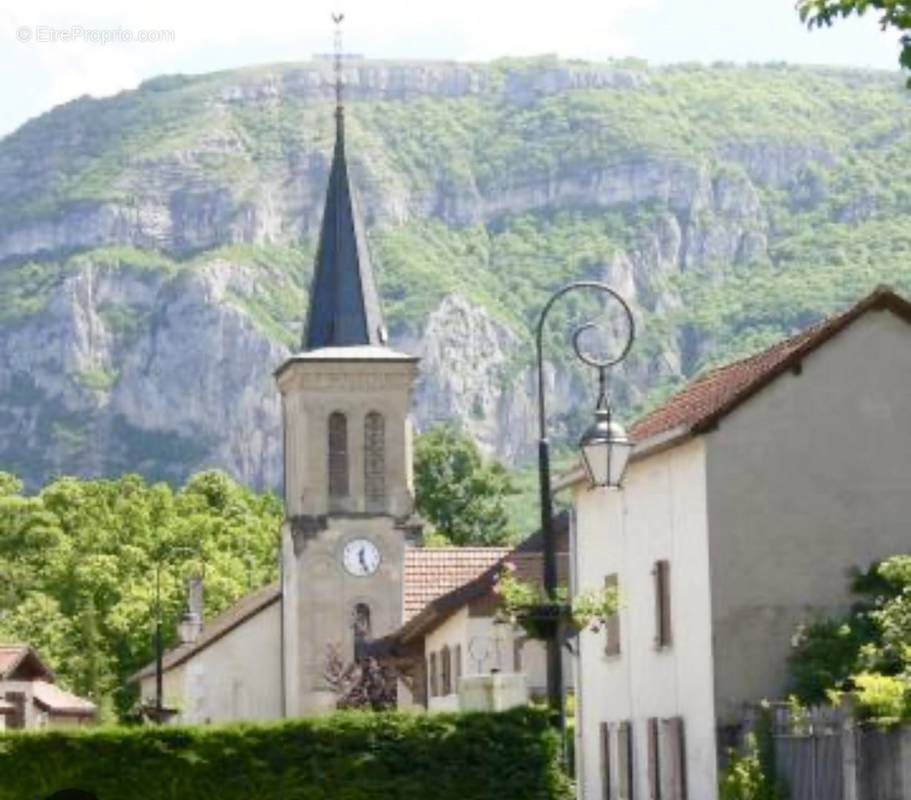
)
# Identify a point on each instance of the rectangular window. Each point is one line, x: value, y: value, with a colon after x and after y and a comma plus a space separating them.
x: 605, y: 762
x: 434, y: 684
x: 445, y: 671
x: 662, y: 573
x: 16, y: 720
x: 654, y: 760
x: 624, y: 761
x: 612, y: 646
x: 456, y: 667
x: 673, y: 759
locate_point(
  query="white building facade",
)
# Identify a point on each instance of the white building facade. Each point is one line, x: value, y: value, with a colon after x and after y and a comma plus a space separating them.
x: 750, y: 498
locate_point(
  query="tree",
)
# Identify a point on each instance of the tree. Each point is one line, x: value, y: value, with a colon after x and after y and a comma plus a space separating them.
x: 364, y: 683
x: 892, y: 14
x: 460, y: 493
x: 78, y: 562
x: 869, y: 650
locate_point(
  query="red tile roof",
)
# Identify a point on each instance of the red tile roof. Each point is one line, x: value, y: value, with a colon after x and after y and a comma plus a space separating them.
x: 12, y: 656
x: 700, y: 405
x: 59, y: 701
x: 529, y: 562
x: 434, y: 571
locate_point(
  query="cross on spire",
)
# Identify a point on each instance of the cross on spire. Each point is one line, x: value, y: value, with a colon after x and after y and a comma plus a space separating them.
x: 337, y: 18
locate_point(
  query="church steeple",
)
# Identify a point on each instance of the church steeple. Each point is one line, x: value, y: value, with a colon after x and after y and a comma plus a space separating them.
x: 344, y: 305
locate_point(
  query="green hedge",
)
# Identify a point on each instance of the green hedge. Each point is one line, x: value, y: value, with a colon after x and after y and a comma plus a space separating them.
x: 349, y: 756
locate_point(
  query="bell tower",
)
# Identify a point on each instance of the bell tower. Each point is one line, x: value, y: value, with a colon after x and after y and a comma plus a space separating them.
x: 349, y: 503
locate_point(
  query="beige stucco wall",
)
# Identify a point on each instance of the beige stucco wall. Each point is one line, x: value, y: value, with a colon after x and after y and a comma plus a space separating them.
x: 237, y: 677
x: 487, y: 646
x: 659, y: 514
x: 806, y: 480
x: 35, y: 717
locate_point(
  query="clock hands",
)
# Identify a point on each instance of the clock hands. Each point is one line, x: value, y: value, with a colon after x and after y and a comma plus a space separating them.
x: 361, y: 557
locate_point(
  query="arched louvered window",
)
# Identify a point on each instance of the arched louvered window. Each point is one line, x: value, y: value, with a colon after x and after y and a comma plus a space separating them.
x: 361, y: 629
x: 375, y: 461
x: 338, y: 456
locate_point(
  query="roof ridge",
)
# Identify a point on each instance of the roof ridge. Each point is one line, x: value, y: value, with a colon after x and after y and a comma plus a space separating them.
x: 697, y: 406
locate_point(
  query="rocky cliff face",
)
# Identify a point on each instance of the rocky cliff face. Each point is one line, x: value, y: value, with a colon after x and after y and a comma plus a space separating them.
x: 145, y: 306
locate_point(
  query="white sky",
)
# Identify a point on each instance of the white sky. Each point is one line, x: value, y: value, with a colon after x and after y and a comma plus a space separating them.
x: 211, y: 35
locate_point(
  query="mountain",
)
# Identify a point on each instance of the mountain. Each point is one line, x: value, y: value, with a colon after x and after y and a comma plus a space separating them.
x: 157, y: 246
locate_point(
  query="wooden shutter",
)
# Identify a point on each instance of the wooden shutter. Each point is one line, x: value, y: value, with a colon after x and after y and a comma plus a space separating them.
x: 434, y: 684
x: 606, y: 791
x: 624, y: 761
x: 673, y: 759
x: 654, y: 760
x: 612, y: 646
x: 16, y: 720
x: 445, y: 671
x: 456, y: 667
x: 338, y: 455
x: 375, y: 461
x: 662, y: 573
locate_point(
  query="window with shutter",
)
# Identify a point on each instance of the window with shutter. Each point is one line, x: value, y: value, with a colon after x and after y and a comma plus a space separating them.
x: 517, y: 654
x: 673, y: 759
x: 612, y: 626
x: 338, y: 456
x: 662, y: 573
x: 606, y: 791
x: 456, y: 667
x: 375, y: 461
x: 434, y: 684
x: 445, y: 672
x: 624, y: 761
x: 16, y: 720
x: 654, y: 760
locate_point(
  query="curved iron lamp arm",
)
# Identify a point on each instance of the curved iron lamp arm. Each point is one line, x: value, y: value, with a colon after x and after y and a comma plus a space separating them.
x: 554, y: 658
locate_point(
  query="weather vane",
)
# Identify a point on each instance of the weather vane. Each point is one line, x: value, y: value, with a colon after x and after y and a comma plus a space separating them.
x: 337, y: 41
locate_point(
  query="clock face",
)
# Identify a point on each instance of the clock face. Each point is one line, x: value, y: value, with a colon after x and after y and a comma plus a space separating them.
x: 360, y: 557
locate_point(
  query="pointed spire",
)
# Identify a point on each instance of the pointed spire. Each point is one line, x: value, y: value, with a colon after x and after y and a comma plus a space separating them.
x: 344, y: 304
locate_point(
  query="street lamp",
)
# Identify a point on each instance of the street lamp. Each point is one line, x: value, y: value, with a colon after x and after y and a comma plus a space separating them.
x: 605, y: 451
x: 605, y: 446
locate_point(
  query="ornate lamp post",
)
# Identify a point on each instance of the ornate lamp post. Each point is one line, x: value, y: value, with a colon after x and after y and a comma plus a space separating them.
x: 605, y: 450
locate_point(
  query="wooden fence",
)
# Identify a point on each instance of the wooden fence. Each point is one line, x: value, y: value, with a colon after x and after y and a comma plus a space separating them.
x: 824, y: 755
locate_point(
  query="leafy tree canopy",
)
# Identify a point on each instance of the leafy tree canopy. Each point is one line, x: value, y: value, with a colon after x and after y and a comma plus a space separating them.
x: 892, y: 14
x: 868, y: 651
x: 78, y: 562
x: 458, y: 492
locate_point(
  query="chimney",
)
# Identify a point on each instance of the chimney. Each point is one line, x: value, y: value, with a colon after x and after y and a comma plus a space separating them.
x: 191, y: 622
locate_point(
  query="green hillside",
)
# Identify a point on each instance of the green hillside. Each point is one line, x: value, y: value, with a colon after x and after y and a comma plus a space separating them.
x: 744, y: 202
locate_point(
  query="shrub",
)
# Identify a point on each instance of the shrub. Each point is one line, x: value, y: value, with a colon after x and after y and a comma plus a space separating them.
x: 884, y: 698
x: 346, y: 756
x: 747, y: 778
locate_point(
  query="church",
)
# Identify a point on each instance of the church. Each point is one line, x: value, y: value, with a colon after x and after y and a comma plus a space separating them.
x: 353, y: 570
